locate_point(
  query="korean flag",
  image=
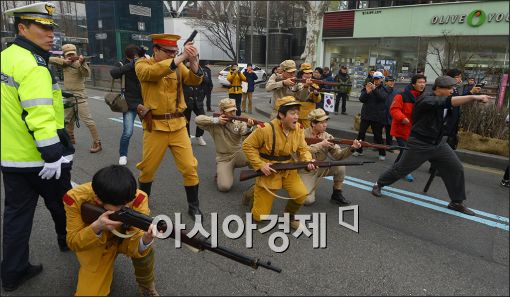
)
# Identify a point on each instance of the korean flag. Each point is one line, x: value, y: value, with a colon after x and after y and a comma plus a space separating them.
x: 329, y: 102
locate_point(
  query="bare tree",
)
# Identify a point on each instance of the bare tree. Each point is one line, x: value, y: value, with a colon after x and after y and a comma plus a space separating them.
x: 315, y: 11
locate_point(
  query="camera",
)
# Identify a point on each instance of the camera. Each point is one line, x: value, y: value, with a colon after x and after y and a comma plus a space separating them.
x: 481, y: 84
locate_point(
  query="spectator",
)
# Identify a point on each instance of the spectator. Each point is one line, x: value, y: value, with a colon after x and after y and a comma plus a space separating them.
x: 369, y: 76
x: 251, y: 77
x: 373, y: 112
x: 401, y: 111
x: 470, y: 85
x: 208, y: 84
x: 343, y: 90
x: 132, y: 93
x: 389, y: 86
x: 235, y: 78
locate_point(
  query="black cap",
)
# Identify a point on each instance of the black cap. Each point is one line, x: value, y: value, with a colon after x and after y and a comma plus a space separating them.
x: 445, y: 81
x: 389, y: 78
x: 343, y: 67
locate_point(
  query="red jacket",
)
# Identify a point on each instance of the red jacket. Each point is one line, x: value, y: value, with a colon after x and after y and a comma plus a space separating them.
x: 401, y: 108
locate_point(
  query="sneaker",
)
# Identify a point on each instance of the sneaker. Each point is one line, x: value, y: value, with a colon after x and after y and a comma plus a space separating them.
x: 123, y: 160
x: 31, y: 272
x: 382, y: 158
x: 505, y: 183
x: 409, y: 178
x: 357, y: 154
x: 201, y: 141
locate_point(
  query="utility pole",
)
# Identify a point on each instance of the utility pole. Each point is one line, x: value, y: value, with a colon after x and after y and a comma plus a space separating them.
x: 267, y: 33
x: 237, y: 31
x: 251, y: 30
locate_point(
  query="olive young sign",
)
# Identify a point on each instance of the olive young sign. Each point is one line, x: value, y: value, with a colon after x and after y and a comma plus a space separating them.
x: 475, y: 18
x: 456, y: 18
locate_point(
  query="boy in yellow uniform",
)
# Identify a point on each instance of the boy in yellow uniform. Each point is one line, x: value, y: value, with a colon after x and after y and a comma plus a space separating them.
x: 235, y: 78
x: 274, y: 142
x: 96, y: 247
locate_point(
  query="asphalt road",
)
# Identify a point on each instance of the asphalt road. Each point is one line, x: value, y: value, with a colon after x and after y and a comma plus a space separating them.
x: 406, y: 244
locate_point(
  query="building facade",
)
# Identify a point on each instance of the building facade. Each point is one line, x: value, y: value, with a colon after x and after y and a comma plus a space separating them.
x: 400, y: 41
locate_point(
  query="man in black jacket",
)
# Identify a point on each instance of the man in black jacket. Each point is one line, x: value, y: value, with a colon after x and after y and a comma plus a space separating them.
x: 373, y: 111
x: 208, y: 84
x: 427, y: 142
x: 132, y: 93
x: 194, y: 97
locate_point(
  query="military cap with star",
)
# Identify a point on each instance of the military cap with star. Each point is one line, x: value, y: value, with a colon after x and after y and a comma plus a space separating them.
x: 41, y: 13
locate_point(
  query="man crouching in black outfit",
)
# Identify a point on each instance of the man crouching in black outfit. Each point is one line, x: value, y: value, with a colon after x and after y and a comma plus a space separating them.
x: 427, y: 142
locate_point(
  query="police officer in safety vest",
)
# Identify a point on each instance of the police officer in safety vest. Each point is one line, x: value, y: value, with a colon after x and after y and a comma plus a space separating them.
x: 36, y: 152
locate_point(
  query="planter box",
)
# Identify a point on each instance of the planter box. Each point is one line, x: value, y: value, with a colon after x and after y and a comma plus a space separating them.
x: 478, y: 143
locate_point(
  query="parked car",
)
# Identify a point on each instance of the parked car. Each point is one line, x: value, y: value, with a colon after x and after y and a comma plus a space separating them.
x: 261, y: 74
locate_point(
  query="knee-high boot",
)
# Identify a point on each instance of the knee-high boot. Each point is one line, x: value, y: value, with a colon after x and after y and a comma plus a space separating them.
x: 146, y: 187
x: 192, y: 196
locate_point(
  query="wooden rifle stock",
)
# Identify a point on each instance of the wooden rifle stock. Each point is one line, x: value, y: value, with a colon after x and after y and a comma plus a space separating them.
x: 315, y: 81
x: 310, y: 141
x: 249, y: 174
x: 90, y: 213
x: 76, y: 58
x: 237, y: 118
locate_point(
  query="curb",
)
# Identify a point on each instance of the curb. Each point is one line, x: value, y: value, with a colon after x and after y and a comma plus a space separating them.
x: 469, y: 157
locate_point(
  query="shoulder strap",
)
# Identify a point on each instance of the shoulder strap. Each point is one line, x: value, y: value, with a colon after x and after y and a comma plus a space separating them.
x: 178, y: 99
x: 274, y: 139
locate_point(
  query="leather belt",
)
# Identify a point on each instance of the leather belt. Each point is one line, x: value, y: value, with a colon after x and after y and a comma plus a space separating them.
x: 167, y: 116
x: 275, y: 158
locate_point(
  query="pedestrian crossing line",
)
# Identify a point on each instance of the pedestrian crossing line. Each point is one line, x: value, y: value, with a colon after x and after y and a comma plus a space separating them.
x: 427, y: 198
x: 366, y: 185
x: 137, y: 123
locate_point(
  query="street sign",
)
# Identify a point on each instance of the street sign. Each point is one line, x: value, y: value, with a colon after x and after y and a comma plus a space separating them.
x: 140, y: 37
x: 101, y: 36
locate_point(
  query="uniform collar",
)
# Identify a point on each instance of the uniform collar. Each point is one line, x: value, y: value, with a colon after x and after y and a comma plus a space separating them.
x: 32, y: 47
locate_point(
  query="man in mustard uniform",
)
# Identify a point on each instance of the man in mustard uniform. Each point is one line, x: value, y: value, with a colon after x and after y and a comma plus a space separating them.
x: 36, y: 152
x: 75, y: 73
x: 307, y: 93
x: 282, y: 85
x: 320, y: 152
x: 235, y: 78
x: 96, y: 247
x: 228, y: 137
x: 161, y: 78
x: 281, y: 140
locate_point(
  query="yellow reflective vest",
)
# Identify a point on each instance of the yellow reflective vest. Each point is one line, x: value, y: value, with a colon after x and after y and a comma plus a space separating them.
x: 32, y: 113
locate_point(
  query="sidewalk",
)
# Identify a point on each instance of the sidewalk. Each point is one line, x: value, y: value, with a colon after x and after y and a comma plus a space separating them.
x: 342, y: 126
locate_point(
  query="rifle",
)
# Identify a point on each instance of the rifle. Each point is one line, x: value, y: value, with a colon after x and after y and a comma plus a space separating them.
x: 76, y: 58
x: 248, y: 174
x: 237, y: 118
x: 350, y: 142
x: 130, y: 217
x: 433, y: 172
x: 315, y: 81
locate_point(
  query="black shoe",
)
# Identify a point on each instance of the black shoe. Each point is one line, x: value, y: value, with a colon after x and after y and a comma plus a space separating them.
x: 344, y: 113
x: 194, y: 211
x: 376, y: 190
x: 458, y: 206
x: 62, y: 244
x: 505, y: 183
x: 339, y: 198
x: 31, y: 271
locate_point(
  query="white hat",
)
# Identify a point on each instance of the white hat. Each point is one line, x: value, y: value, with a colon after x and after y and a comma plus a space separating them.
x: 41, y: 12
x: 378, y: 74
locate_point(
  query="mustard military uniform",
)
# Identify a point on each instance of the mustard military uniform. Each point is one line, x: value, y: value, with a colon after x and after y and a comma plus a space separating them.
x: 258, y: 147
x: 275, y: 85
x: 159, y: 91
x: 310, y: 179
x: 228, y: 139
x: 308, y: 96
x: 97, y: 254
x: 74, y: 82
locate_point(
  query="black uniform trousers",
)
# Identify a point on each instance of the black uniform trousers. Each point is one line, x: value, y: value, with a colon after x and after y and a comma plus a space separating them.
x: 238, y: 98
x: 22, y: 191
x: 376, y: 130
x: 441, y: 156
x: 208, y: 99
x: 343, y: 97
x: 197, y: 110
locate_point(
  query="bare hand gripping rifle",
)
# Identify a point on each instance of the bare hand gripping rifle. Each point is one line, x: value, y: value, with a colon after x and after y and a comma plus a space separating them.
x: 351, y: 141
x: 237, y: 118
x: 248, y: 174
x: 130, y: 217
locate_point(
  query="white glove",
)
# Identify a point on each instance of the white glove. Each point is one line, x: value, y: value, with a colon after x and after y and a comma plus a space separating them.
x: 53, y: 169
